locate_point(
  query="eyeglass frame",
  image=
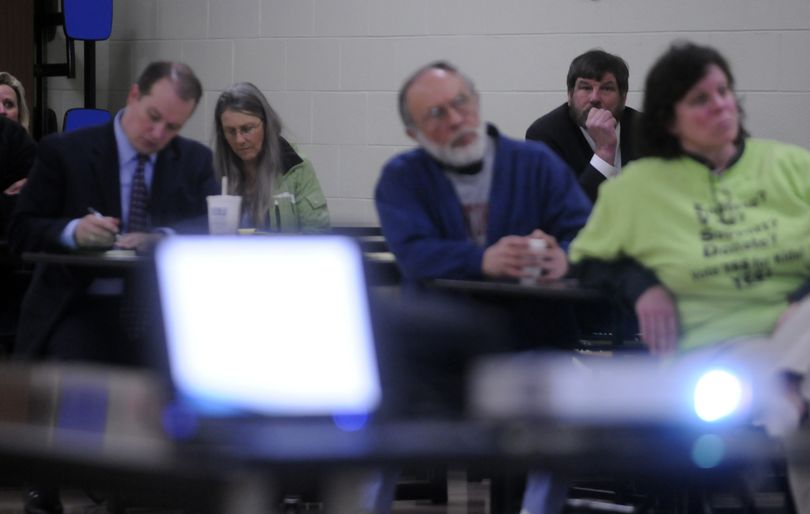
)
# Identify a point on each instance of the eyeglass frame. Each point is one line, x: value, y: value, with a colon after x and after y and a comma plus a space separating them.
x: 463, y: 103
x: 246, y: 130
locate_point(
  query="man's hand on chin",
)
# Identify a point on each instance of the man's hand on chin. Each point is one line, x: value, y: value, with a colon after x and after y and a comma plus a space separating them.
x: 601, y: 125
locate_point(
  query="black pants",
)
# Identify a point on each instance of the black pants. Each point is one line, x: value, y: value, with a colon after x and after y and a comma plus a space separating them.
x: 95, y: 329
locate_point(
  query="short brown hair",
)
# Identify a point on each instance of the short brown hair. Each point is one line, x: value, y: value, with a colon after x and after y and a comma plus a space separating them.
x: 186, y: 84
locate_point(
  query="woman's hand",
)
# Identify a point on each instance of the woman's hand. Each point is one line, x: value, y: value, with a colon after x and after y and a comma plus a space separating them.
x: 658, y: 320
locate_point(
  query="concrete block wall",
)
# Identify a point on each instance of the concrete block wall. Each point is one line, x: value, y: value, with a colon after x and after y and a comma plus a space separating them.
x: 332, y: 68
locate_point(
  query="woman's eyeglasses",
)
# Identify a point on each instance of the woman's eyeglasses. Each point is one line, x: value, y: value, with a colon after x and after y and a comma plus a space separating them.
x: 245, y: 130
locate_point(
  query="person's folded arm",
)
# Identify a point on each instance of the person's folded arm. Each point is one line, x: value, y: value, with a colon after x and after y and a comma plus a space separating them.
x: 421, y: 250
x: 566, y: 208
x: 38, y: 221
x: 640, y: 291
x: 623, y: 279
x: 18, y: 157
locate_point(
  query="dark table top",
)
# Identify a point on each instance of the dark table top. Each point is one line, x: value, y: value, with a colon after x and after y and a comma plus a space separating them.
x: 563, y: 289
x: 127, y: 259
x: 118, y: 259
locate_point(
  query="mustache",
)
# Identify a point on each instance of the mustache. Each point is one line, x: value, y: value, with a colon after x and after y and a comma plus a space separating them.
x: 461, y: 134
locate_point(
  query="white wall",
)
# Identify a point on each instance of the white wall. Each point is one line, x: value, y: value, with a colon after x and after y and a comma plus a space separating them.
x: 332, y: 67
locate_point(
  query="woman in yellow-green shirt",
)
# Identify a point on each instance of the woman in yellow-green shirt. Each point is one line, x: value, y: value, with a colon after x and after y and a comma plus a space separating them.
x: 708, y: 238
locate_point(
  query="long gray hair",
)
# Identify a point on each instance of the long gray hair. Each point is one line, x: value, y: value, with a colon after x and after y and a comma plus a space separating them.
x: 246, y: 98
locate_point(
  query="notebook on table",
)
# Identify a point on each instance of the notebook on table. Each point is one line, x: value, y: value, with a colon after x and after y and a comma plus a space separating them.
x: 268, y: 340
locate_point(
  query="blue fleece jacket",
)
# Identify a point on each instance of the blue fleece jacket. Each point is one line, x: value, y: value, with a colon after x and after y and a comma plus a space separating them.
x: 423, y: 222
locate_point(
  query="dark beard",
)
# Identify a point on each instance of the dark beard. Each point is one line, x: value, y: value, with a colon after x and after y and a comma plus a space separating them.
x: 578, y: 120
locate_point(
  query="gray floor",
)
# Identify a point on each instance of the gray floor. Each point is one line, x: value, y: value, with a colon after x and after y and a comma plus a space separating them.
x: 464, y: 498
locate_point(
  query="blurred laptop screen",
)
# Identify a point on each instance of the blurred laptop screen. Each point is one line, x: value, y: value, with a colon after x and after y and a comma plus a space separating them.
x: 274, y: 326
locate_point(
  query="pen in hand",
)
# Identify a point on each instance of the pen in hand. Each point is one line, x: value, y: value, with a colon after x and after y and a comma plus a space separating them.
x: 97, y: 214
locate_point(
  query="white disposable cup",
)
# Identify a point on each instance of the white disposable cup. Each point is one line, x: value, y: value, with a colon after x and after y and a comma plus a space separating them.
x: 223, y: 214
x: 536, y: 246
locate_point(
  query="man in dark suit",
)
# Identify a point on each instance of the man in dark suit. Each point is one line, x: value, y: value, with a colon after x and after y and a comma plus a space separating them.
x: 145, y: 179
x: 594, y: 131
x: 148, y: 182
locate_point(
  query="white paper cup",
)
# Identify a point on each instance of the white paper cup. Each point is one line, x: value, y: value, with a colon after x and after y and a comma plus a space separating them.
x: 536, y: 246
x: 223, y: 214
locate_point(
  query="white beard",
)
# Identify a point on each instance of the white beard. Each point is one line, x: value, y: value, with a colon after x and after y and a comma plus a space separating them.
x: 457, y: 156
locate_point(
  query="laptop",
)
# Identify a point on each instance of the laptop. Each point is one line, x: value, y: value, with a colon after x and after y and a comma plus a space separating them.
x: 267, y: 338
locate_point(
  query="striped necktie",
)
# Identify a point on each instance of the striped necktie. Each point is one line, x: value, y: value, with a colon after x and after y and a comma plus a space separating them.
x: 139, y: 199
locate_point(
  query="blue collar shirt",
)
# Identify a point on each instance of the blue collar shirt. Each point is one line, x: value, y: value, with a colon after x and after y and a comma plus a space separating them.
x: 127, y: 163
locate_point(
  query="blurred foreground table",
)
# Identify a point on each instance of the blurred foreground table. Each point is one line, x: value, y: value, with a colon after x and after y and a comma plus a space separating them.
x: 103, y: 428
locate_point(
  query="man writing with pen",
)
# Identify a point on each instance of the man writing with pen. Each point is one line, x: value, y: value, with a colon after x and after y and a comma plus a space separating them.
x: 120, y: 185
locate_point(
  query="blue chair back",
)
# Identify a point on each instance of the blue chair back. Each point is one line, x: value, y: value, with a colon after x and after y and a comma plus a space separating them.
x: 78, y: 118
x: 88, y: 20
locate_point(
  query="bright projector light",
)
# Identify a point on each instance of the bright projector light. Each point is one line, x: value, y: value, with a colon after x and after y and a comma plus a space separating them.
x: 718, y: 394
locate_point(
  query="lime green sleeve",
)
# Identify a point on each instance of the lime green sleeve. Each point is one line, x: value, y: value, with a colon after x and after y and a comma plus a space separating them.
x: 607, y: 228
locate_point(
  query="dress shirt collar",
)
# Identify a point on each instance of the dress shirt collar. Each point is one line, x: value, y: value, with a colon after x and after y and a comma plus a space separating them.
x: 126, y: 152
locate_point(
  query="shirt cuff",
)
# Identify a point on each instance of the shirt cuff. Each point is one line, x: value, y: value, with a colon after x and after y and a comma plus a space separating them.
x: 608, y: 170
x: 68, y: 238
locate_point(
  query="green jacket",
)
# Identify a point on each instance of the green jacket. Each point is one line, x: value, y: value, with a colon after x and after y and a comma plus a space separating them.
x: 731, y: 248
x: 299, y: 203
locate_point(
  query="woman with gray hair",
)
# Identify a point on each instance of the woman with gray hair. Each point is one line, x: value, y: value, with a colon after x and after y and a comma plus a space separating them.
x: 279, y: 189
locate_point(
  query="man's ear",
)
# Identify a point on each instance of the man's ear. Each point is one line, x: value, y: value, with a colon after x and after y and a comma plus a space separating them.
x: 134, y: 94
x: 411, y: 133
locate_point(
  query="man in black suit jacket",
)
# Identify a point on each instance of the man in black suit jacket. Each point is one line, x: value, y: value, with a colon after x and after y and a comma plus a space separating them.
x: 76, y: 314
x: 593, y: 132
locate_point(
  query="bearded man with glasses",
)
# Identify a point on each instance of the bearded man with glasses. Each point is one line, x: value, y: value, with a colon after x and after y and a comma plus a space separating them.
x: 466, y: 203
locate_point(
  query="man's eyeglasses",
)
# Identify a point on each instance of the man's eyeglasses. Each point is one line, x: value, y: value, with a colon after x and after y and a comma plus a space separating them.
x: 463, y: 104
x: 245, y: 130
